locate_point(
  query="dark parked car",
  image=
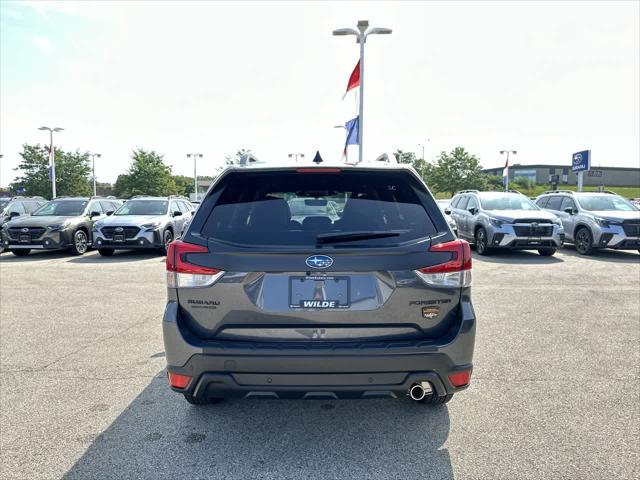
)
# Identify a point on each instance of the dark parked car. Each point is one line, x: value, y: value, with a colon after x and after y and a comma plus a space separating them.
x: 369, y: 301
x: 11, y: 208
x: 63, y: 223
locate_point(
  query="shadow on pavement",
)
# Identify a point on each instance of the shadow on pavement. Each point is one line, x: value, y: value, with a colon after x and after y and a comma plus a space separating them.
x: 119, y: 257
x: 605, y: 255
x: 160, y: 436
x: 519, y: 256
x: 35, y: 256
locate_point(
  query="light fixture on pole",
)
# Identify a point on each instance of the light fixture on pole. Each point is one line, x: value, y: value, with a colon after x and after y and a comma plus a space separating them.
x: 296, y: 155
x: 361, y: 35
x: 52, y: 158
x: 195, y: 173
x: 93, y: 167
x: 423, y: 145
x: 505, y: 172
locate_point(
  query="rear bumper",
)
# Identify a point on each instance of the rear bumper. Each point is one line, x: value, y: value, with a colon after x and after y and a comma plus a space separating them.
x: 317, y: 370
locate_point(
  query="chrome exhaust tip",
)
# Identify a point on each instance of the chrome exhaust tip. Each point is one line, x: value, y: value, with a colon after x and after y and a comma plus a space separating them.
x: 420, y: 390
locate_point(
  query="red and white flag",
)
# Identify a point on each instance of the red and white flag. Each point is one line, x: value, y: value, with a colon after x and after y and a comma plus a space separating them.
x: 354, y: 79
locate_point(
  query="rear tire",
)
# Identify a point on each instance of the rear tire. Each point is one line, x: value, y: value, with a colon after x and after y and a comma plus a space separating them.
x: 80, y: 243
x: 200, y: 401
x: 106, y: 252
x: 23, y: 252
x: 547, y: 252
x: 482, y: 242
x: 435, y: 400
x: 584, y: 241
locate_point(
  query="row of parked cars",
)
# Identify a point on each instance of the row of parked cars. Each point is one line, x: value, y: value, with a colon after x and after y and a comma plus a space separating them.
x: 510, y: 220
x: 105, y: 223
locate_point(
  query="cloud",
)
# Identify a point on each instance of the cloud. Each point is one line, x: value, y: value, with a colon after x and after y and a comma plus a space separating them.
x: 43, y: 43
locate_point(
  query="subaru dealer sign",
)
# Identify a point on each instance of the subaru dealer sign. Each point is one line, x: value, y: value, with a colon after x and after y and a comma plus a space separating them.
x: 581, y: 161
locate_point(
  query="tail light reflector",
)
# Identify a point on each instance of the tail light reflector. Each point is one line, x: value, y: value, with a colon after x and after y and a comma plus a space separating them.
x: 456, y: 272
x: 177, y: 380
x: 460, y: 379
x: 182, y: 274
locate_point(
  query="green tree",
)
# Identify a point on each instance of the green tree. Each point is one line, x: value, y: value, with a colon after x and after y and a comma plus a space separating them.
x: 72, y: 172
x: 147, y: 175
x: 184, y: 185
x: 494, y: 182
x: 457, y: 170
x: 421, y: 166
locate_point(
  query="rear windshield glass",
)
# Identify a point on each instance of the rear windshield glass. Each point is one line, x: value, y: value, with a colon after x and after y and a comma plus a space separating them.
x: 143, y: 207
x: 606, y: 202
x: 507, y: 202
x: 306, y: 209
x: 63, y: 208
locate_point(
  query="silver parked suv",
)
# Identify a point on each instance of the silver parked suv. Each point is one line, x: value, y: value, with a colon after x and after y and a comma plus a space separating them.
x: 319, y: 282
x: 595, y: 220
x: 506, y: 220
x: 142, y: 222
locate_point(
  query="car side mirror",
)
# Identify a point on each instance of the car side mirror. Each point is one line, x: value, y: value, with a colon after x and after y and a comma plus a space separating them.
x: 473, y: 210
x: 177, y: 213
x: 14, y: 214
x: 94, y: 214
x: 447, y: 211
x: 569, y: 210
x: 110, y: 212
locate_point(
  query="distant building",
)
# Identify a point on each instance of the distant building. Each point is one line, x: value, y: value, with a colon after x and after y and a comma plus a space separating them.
x: 541, y: 174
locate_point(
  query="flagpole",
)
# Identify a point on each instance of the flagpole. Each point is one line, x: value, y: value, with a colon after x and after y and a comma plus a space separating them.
x: 361, y: 34
x: 361, y: 40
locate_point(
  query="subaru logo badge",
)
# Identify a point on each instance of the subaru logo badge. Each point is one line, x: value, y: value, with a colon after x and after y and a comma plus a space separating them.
x: 25, y: 230
x: 577, y: 159
x: 319, y: 261
x: 119, y: 229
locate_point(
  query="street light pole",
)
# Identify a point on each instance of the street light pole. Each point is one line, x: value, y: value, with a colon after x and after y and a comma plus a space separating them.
x: 502, y: 152
x: 93, y: 166
x: 361, y: 35
x: 296, y: 155
x: 52, y: 158
x: 195, y: 172
x: 423, y: 145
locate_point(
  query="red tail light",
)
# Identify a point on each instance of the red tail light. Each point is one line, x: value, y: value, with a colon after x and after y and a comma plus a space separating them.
x: 176, y: 261
x: 461, y: 257
x: 460, y: 379
x: 182, y: 274
x: 177, y: 380
x: 456, y: 272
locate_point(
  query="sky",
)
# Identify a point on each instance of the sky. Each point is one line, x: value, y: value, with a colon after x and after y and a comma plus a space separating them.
x: 545, y: 79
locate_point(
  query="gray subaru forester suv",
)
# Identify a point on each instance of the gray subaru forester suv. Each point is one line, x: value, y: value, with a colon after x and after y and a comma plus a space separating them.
x: 505, y: 220
x: 368, y: 299
x: 595, y: 220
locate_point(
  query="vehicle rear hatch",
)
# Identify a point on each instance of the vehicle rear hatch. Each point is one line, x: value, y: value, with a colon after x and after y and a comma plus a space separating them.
x: 367, y: 256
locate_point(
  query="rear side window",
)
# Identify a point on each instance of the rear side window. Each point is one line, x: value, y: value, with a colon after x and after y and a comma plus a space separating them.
x: 554, y: 203
x: 289, y: 208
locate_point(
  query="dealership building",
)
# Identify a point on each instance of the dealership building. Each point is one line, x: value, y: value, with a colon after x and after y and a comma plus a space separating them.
x: 542, y: 174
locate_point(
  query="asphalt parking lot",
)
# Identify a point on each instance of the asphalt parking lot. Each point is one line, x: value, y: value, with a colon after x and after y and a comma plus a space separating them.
x: 555, y: 391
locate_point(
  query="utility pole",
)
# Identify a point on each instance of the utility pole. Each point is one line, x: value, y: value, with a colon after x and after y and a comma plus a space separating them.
x: 361, y: 35
x: 195, y: 172
x: 93, y: 166
x: 52, y: 157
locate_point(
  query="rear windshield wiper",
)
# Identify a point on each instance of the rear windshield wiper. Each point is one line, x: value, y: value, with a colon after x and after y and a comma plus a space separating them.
x: 351, y: 236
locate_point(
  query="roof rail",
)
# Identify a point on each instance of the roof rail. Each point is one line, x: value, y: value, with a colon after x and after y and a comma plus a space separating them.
x: 389, y: 158
x: 467, y: 191
x: 247, y: 159
x: 23, y: 197
x: 515, y: 191
x: 558, y: 191
x: 608, y: 191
